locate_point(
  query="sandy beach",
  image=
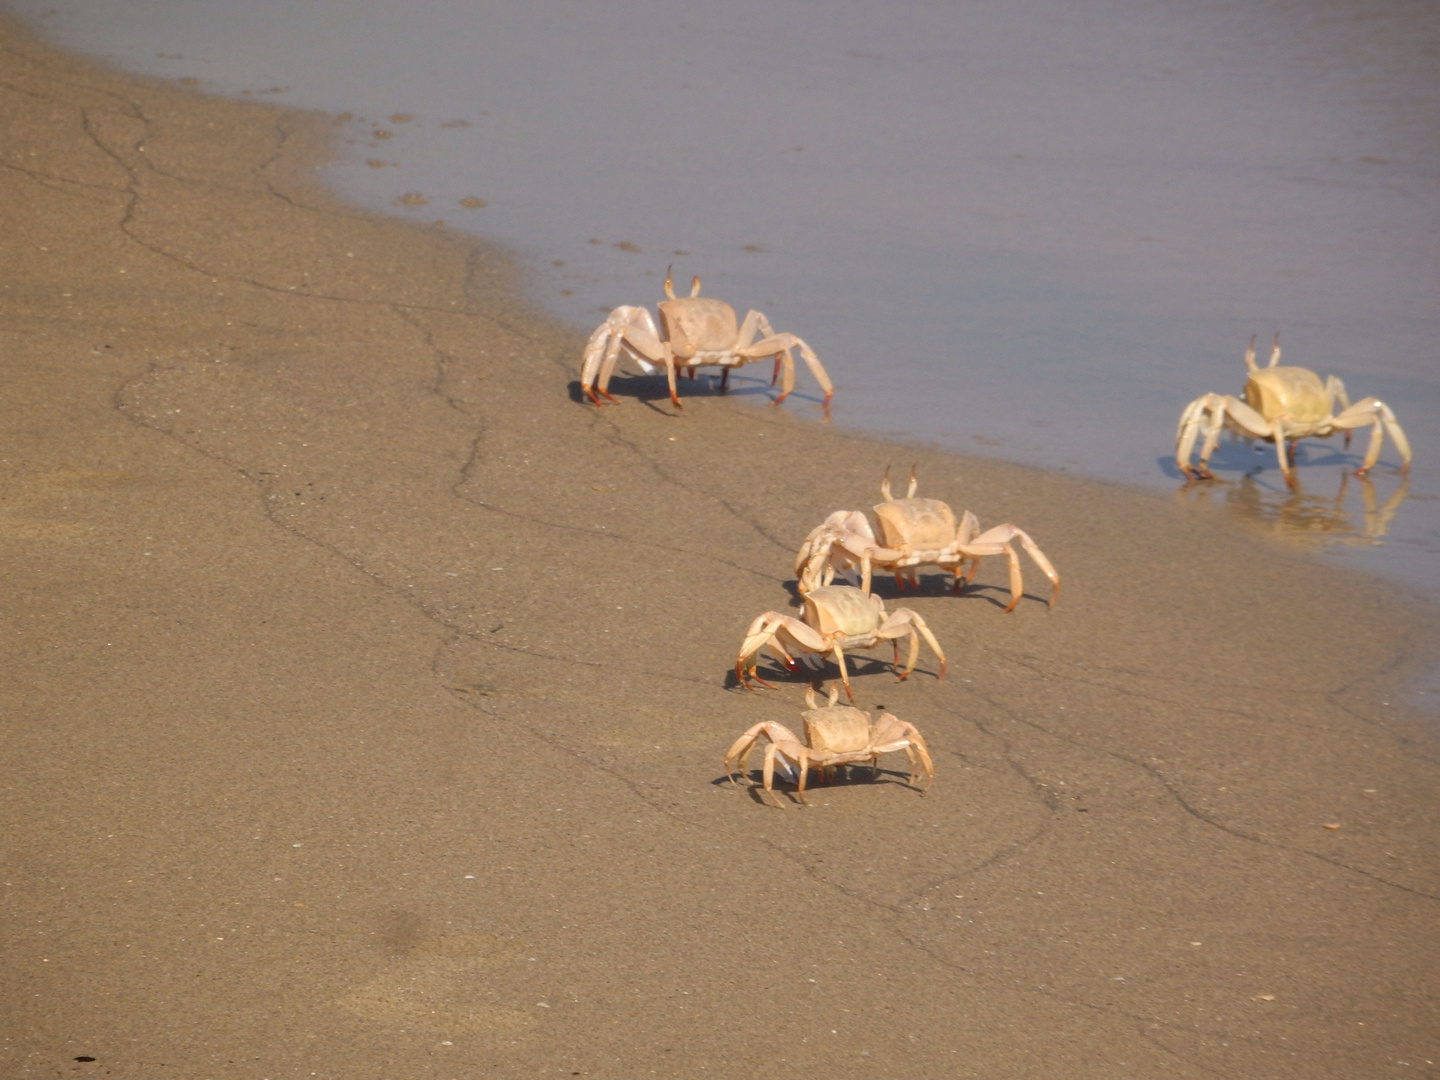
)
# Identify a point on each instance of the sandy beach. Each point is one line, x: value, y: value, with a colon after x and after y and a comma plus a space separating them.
x: 366, y: 693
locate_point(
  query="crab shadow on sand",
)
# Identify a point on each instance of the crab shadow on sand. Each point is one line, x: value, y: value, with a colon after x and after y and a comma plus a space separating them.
x: 1302, y: 515
x: 653, y: 391
x: 751, y: 781
x: 934, y: 584
x: 859, y: 665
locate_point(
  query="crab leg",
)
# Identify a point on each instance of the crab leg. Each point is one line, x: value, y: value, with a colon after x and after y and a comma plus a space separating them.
x: 839, y: 654
x: 764, y: 630
x: 781, y: 744
x: 1379, y: 415
x: 904, y: 622
x: 1335, y: 391
x: 1191, y: 418
x: 767, y: 774
x: 890, y: 733
x: 740, y: 750
x: 885, y: 557
x: 996, y: 541
x: 779, y: 346
x: 1286, y: 458
x: 816, y: 369
x: 670, y: 377
x: 627, y: 327
x: 756, y: 324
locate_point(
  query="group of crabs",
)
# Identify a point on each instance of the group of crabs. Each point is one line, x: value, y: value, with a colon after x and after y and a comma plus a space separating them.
x: 1282, y: 405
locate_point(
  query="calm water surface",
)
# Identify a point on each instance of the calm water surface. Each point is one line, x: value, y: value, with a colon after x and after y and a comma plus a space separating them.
x: 1032, y: 229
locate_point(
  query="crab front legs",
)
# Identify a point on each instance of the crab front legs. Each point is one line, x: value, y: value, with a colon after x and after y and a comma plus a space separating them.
x: 785, y: 634
x: 629, y: 328
x: 782, y: 744
x: 1210, y: 413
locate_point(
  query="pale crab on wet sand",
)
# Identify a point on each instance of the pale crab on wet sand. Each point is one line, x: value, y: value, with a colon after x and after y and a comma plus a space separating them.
x: 1284, y: 403
x: 837, y: 619
x: 695, y: 331
x: 836, y: 736
x: 913, y: 533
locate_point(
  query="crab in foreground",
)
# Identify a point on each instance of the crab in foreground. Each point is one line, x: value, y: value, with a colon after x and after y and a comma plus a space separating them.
x: 1284, y: 403
x: 835, y: 736
x: 695, y: 331
x: 913, y: 533
x: 837, y: 619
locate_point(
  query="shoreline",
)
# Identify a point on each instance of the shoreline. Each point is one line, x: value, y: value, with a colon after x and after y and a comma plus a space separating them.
x: 368, y: 692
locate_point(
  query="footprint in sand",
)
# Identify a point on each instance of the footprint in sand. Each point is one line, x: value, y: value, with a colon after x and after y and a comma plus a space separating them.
x: 444, y: 984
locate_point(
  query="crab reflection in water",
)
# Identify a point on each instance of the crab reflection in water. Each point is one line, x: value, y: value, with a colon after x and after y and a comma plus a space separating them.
x: 1304, y: 517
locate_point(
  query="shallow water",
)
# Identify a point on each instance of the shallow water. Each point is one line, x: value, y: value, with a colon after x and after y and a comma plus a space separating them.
x: 1024, y: 229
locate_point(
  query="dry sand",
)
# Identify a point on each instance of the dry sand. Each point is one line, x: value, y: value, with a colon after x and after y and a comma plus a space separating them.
x: 365, y: 694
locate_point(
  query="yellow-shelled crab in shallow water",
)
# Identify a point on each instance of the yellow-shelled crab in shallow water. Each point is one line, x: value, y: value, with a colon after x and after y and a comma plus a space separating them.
x: 1284, y: 403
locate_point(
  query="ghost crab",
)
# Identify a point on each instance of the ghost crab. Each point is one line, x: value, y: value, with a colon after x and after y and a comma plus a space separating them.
x: 835, y: 736
x: 1284, y: 403
x: 915, y: 533
x: 837, y: 619
x: 695, y: 332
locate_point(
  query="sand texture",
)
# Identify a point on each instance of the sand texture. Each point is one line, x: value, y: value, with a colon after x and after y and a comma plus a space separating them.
x: 365, y: 693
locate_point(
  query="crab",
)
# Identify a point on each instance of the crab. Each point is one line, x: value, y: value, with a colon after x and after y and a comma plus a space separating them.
x: 698, y: 331
x: 835, y: 736
x: 837, y: 619
x: 915, y: 532
x: 1284, y: 403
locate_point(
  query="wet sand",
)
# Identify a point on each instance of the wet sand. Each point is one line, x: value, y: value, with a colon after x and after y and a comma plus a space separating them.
x: 366, y: 693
